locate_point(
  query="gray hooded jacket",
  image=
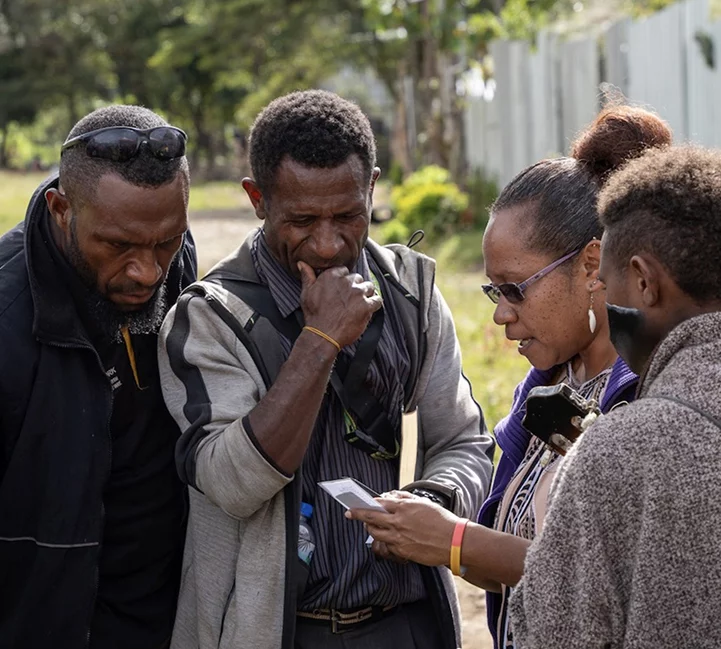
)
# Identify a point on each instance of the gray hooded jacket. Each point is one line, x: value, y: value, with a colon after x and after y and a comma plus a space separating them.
x: 630, y: 554
x: 235, y: 590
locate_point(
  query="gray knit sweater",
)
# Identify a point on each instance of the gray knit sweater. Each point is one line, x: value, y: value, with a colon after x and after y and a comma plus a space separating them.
x: 630, y: 554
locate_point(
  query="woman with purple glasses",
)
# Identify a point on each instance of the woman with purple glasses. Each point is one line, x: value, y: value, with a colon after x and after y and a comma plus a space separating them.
x: 542, y: 252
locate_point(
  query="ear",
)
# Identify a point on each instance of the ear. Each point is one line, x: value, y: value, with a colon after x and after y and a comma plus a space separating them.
x: 591, y: 259
x: 59, y: 208
x: 374, y: 178
x: 255, y: 196
x: 646, y: 275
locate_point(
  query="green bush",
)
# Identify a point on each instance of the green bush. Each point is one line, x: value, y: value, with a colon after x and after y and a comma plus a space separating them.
x: 482, y: 191
x: 427, y: 200
x: 394, y: 231
x: 460, y: 252
x: 395, y: 173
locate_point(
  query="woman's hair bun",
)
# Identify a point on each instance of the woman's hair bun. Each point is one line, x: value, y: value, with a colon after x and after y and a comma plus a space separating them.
x: 617, y: 135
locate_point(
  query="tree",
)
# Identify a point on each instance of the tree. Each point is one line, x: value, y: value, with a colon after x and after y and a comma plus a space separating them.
x: 419, y: 49
x: 20, y: 103
x: 228, y: 59
x: 49, y: 55
x: 211, y: 65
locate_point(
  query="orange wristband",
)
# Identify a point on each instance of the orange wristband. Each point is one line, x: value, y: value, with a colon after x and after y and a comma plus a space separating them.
x: 456, y: 543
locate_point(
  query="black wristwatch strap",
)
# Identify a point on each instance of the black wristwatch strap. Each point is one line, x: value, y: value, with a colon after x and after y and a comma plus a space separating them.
x: 434, y: 496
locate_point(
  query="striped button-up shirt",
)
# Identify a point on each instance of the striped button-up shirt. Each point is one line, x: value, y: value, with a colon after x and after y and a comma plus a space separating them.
x: 344, y: 573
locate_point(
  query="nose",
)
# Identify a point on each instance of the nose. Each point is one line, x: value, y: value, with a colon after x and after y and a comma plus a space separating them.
x: 504, y: 313
x: 144, y: 269
x: 327, y: 241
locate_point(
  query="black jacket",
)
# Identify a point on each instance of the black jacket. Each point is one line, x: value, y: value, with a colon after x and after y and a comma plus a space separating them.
x: 55, y: 408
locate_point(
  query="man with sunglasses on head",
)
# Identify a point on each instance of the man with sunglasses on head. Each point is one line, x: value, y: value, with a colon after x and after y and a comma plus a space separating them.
x: 92, y: 513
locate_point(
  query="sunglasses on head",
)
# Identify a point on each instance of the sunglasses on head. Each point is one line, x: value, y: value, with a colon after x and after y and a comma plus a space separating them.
x: 121, y: 143
x: 515, y: 293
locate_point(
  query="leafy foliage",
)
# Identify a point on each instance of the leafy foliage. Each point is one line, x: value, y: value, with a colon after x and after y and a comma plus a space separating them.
x: 211, y: 65
x: 208, y: 65
x: 516, y: 19
x: 428, y: 200
x: 482, y: 191
x: 645, y: 7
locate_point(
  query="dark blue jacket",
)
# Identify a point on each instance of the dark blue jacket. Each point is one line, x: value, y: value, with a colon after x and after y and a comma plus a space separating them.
x: 55, y: 408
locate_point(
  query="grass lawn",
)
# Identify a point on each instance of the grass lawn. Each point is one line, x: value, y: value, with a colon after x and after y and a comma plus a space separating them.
x: 16, y: 188
x: 491, y: 362
x: 217, y: 196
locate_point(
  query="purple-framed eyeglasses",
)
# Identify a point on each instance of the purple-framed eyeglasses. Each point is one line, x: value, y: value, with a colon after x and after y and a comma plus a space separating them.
x: 513, y: 292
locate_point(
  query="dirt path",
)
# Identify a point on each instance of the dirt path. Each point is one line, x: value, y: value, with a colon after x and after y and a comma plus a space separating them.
x: 217, y: 233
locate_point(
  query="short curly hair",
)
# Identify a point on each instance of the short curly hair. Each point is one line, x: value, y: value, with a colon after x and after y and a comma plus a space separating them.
x: 315, y: 128
x: 79, y: 173
x: 668, y: 203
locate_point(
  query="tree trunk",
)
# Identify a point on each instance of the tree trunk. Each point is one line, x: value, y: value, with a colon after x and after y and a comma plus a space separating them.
x: 211, y: 156
x: 429, y: 106
x: 242, y: 164
x: 452, y: 118
x: 457, y: 151
x: 400, y: 139
x: 201, y: 149
x: 72, y: 104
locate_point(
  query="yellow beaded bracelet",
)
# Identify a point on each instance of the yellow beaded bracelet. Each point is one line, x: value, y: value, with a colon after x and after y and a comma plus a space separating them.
x: 324, y: 336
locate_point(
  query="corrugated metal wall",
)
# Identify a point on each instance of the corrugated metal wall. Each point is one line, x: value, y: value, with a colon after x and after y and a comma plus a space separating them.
x: 545, y: 95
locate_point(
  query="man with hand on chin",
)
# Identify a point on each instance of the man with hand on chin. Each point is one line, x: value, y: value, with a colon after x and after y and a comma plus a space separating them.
x: 92, y: 514
x: 292, y: 363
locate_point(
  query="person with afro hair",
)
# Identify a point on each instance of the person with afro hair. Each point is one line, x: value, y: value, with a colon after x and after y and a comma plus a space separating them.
x: 296, y: 368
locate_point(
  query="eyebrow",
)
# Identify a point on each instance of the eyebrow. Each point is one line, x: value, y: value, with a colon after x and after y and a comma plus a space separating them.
x: 503, y: 278
x: 122, y: 239
x: 175, y: 236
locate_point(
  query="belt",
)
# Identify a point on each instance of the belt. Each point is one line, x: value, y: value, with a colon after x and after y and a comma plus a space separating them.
x: 343, y: 620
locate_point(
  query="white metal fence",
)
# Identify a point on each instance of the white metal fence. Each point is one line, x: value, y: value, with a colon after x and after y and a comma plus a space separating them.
x: 670, y: 62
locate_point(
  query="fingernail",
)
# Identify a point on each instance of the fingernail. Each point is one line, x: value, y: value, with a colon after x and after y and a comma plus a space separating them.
x: 348, y: 515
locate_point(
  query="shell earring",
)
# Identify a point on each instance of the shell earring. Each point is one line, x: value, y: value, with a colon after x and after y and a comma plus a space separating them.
x: 591, y: 316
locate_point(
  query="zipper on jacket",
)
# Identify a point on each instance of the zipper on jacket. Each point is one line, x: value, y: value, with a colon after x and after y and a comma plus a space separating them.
x: 109, y: 404
x: 293, y: 496
x: 96, y: 581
